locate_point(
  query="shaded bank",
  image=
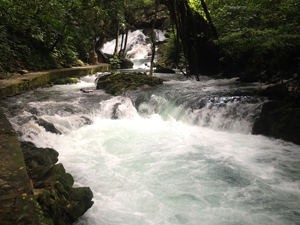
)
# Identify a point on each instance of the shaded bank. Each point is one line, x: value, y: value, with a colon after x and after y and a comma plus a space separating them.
x: 46, y: 195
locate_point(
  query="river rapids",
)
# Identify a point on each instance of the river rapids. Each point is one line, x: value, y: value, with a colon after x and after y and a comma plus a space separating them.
x: 179, y: 153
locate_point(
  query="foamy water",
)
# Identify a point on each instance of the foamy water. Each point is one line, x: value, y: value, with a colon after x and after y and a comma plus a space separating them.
x: 167, y: 155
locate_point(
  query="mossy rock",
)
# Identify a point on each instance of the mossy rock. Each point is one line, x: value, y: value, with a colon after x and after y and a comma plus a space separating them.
x: 78, y: 62
x: 22, y: 72
x: 279, y: 120
x: 126, y: 63
x: 81, y: 201
x: 48, y: 126
x: 60, y: 203
x: 66, y: 80
x: 276, y: 92
x: 162, y: 69
x: 119, y: 83
x: 39, y: 156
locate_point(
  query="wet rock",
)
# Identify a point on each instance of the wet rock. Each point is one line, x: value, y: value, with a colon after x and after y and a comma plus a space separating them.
x: 278, y: 92
x: 115, y: 111
x: 126, y: 63
x: 86, y: 120
x: 162, y: 69
x: 279, y: 120
x: 48, y: 126
x: 86, y: 90
x: 119, y: 83
x: 60, y: 202
x: 22, y: 72
x: 66, y: 80
x: 80, y: 202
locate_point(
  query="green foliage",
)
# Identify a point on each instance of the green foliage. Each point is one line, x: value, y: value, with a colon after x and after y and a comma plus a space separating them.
x: 45, y: 34
x: 171, y: 56
x: 261, y: 53
x: 232, y: 16
x: 115, y: 63
x: 258, y: 38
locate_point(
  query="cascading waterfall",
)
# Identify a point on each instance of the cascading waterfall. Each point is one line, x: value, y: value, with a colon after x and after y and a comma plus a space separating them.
x: 138, y: 49
x: 180, y: 153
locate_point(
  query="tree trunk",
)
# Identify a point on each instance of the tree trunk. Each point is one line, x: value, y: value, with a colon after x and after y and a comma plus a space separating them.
x: 122, y: 40
x: 116, y: 53
x: 195, y: 35
x: 153, y: 39
x: 212, y: 26
x: 126, y: 37
x: 100, y: 42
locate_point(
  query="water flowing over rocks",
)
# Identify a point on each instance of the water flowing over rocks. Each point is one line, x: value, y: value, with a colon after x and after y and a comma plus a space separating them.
x: 184, y: 146
x: 48, y: 126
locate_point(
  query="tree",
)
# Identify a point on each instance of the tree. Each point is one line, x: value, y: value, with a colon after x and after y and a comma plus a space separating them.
x: 195, y: 34
x: 156, y: 3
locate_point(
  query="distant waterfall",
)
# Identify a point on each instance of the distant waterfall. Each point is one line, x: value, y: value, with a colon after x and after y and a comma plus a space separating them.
x: 138, y: 50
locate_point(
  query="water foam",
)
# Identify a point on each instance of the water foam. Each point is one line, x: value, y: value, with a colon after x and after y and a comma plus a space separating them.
x: 152, y: 165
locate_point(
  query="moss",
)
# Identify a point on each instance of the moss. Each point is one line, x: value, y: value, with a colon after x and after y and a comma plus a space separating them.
x: 80, y: 202
x: 60, y: 203
x: 67, y: 80
x: 23, y: 72
x: 16, y: 194
x: 119, y: 83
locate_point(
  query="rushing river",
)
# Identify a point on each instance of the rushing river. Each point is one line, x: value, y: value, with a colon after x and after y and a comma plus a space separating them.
x: 180, y: 153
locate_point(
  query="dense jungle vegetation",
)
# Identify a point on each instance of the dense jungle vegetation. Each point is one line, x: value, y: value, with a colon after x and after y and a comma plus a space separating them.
x: 256, y: 40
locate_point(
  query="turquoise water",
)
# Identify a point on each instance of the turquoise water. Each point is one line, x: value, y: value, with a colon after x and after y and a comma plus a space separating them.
x: 182, y: 153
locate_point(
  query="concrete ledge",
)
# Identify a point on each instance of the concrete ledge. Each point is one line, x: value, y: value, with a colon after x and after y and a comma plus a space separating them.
x: 30, y: 81
x: 17, y: 204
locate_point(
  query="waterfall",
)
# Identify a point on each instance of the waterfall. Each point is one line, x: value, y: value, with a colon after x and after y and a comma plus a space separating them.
x: 138, y: 48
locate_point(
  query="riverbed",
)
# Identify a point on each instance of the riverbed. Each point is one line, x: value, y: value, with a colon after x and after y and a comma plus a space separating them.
x: 179, y: 153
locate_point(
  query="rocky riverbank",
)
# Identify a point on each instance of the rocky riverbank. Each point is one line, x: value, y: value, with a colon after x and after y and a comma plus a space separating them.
x: 60, y: 203
x: 34, y: 189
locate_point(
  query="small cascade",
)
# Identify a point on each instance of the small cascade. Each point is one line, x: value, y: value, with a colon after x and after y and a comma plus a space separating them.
x: 118, y: 108
x: 233, y: 114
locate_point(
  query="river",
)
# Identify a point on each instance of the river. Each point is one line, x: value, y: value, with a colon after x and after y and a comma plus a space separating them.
x: 179, y: 153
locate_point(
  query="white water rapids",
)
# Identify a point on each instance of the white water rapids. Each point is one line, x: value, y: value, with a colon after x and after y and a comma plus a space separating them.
x: 181, y: 153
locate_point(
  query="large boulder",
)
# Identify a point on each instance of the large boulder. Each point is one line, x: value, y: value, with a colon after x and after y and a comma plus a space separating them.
x: 126, y: 63
x: 163, y: 69
x: 48, y: 126
x: 119, y: 83
x: 279, y: 120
